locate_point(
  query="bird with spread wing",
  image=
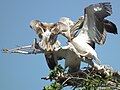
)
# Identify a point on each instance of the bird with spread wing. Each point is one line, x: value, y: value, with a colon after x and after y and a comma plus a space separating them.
x: 92, y: 28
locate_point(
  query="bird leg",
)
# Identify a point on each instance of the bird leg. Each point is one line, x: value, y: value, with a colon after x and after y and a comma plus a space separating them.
x: 35, y: 46
x: 93, y: 64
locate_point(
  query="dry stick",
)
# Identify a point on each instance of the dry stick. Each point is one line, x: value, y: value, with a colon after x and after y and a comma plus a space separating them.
x: 66, y: 81
x: 25, y: 51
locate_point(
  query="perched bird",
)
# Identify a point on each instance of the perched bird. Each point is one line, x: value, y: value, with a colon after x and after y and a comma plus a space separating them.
x: 93, y: 30
x: 47, y: 40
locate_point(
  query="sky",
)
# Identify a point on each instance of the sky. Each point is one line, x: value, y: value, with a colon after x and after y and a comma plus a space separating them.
x: 24, y: 72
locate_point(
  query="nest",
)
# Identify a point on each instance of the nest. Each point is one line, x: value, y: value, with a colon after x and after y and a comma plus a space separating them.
x: 87, y: 78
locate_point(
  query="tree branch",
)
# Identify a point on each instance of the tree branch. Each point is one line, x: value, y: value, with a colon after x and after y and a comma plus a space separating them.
x: 29, y: 49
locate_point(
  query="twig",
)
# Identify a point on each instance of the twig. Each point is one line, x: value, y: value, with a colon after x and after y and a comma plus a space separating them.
x: 66, y: 81
x: 46, y: 78
x: 30, y: 49
x: 22, y: 50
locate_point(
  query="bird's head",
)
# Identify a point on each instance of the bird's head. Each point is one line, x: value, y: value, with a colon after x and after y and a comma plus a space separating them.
x: 46, y: 33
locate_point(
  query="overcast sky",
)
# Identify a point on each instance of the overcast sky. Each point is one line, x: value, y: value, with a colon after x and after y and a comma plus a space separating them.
x: 24, y: 72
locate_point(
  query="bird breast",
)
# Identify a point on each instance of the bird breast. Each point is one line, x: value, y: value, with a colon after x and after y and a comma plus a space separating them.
x: 83, y: 48
x: 79, y: 45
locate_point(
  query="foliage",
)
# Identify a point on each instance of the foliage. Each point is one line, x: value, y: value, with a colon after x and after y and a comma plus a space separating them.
x: 55, y: 73
x: 53, y: 86
x: 88, y: 79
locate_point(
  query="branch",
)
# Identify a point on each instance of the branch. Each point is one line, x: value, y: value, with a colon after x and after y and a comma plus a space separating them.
x: 30, y: 49
x: 23, y: 50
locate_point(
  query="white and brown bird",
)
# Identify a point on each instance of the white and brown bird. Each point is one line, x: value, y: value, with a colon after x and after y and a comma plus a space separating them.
x: 48, y: 41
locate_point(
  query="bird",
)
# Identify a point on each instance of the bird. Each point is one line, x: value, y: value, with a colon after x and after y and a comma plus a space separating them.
x: 89, y: 30
x: 47, y: 40
x: 93, y: 30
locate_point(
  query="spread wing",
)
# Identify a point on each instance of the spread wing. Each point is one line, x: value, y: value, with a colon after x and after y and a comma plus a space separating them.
x: 94, y: 24
x: 94, y: 21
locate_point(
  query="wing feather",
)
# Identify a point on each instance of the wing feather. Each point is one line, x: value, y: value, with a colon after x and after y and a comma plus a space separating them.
x: 110, y: 26
x: 77, y: 26
x: 93, y: 24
